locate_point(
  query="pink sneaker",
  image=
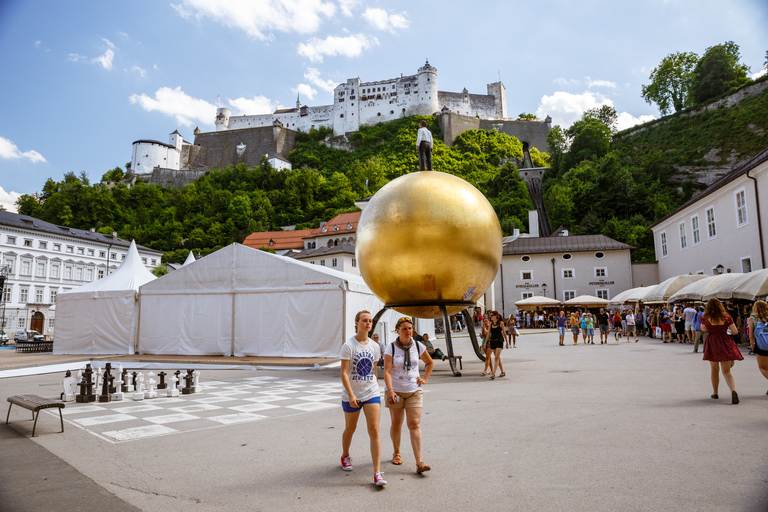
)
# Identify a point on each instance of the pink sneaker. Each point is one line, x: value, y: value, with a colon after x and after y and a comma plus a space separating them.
x: 378, y: 479
x: 346, y: 463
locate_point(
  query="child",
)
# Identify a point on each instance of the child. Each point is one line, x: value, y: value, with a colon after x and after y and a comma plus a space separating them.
x: 424, y: 143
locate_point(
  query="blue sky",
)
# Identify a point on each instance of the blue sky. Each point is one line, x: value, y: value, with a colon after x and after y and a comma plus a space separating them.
x: 83, y: 80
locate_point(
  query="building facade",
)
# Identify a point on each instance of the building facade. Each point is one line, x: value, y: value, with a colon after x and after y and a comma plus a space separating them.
x: 337, y: 257
x: 561, y: 267
x: 41, y: 260
x: 721, y: 229
x: 146, y: 154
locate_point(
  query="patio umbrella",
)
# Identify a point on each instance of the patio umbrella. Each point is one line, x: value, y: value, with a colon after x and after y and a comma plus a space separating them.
x: 537, y: 302
x: 619, y: 299
x: 663, y: 291
x: 695, y: 291
x: 586, y: 301
x: 749, y: 286
x: 640, y: 294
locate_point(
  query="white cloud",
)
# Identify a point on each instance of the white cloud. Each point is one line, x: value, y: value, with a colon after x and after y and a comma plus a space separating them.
x: 106, y: 59
x: 305, y: 90
x: 142, y: 72
x: 760, y: 73
x: 109, y: 43
x: 626, y: 120
x: 253, y: 106
x: 383, y: 21
x: 257, y: 19
x: 600, y: 83
x: 175, y: 103
x: 346, y: 6
x: 9, y: 150
x: 8, y: 199
x: 565, y: 81
x: 74, y: 57
x: 350, y: 46
x: 566, y: 108
x: 313, y: 75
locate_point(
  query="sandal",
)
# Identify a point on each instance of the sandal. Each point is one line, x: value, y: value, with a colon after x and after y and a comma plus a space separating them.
x: 421, y: 467
x: 715, y: 397
x: 493, y: 377
x: 396, y: 460
x: 502, y: 374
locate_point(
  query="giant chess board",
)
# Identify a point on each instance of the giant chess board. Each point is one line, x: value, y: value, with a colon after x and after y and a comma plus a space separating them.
x: 218, y: 404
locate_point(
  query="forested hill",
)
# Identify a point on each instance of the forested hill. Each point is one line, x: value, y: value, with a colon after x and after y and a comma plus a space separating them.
x: 226, y: 205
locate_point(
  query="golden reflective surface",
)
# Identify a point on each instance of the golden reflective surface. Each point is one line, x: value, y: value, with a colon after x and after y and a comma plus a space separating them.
x: 427, y: 238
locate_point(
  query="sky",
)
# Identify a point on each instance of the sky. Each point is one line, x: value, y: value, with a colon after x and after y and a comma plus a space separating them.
x: 81, y: 81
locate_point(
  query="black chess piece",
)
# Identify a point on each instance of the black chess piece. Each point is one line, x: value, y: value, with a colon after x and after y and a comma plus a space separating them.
x: 162, y: 384
x: 105, y: 396
x: 88, y: 376
x: 178, y: 378
x: 124, y: 386
x: 108, y: 377
x: 188, y: 379
x: 82, y: 396
x: 133, y: 381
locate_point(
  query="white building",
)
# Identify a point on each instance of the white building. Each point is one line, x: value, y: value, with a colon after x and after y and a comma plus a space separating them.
x: 337, y: 257
x: 41, y: 259
x: 719, y: 230
x: 357, y: 103
x: 561, y: 267
x: 148, y: 154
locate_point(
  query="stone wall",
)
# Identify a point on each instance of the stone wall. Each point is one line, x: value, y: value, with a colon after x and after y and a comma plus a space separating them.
x: 172, y: 178
x: 219, y: 149
x: 532, y: 132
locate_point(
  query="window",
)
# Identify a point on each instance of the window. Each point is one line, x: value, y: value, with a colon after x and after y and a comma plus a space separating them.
x: 334, y: 261
x: 53, y: 296
x: 683, y: 238
x: 527, y: 295
x: 568, y: 294
x: 102, y: 254
x: 80, y: 250
x: 27, y: 243
x: 89, y: 274
x: 526, y: 258
x: 57, y: 247
x: 322, y: 263
x: 7, y: 294
x: 711, y: 226
x: 50, y: 323
x: 40, y: 269
x: 746, y: 265
x: 9, y: 264
x: 567, y: 273
x: 11, y: 240
x: 20, y: 323
x: 567, y: 256
x: 67, y: 272
x: 26, y: 268
x: 144, y: 260
x: 24, y: 297
x: 600, y: 271
x: 43, y: 245
x: 113, y: 256
x: 38, y: 296
x: 354, y: 262
x: 602, y: 294
x: 741, y: 208
x: 79, y: 273
x: 526, y: 275
x: 90, y: 252
x: 154, y: 261
x: 55, y: 270
x: 100, y: 274
x: 70, y: 249
x: 663, y: 237
x: 599, y: 255
x: 695, y: 230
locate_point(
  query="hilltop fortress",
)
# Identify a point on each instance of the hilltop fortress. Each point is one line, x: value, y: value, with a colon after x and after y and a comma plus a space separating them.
x: 247, y: 138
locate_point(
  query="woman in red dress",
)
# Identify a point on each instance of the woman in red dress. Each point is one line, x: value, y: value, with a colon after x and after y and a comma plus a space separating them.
x: 720, y: 350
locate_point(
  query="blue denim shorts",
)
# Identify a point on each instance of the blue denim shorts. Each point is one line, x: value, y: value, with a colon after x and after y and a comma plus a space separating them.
x: 348, y: 408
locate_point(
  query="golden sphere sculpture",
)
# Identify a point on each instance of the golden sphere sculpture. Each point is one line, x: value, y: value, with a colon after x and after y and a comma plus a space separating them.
x: 425, y: 239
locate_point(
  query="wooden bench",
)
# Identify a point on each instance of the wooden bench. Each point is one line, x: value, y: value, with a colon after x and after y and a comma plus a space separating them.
x: 34, y: 403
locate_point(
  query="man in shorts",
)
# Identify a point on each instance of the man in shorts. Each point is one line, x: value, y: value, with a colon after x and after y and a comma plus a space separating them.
x: 666, y: 326
x: 561, y: 324
x: 699, y: 336
x: 630, y: 319
x: 602, y: 322
x: 690, y: 319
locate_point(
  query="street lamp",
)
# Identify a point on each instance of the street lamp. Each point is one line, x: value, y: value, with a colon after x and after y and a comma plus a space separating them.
x: 719, y: 268
x: 544, y: 289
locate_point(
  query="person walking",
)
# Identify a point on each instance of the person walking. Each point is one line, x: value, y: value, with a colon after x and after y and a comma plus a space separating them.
x: 574, y: 322
x: 689, y: 316
x: 361, y: 392
x: 617, y: 325
x: 720, y: 350
x: 405, y: 397
x: 602, y: 323
x: 497, y: 338
x: 561, y: 324
x: 591, y: 328
x: 699, y: 335
x: 758, y: 335
x: 512, y: 331
x: 631, y: 325
x: 666, y: 325
x: 485, y: 335
x: 583, y: 325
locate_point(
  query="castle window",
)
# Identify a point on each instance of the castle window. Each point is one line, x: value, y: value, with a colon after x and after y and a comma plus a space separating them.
x: 341, y: 115
x: 391, y: 111
x: 378, y: 114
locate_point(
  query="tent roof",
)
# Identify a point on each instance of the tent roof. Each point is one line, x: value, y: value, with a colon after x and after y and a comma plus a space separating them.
x: 664, y: 290
x: 623, y: 296
x: 538, y: 300
x: 237, y: 268
x: 749, y: 286
x: 586, y: 300
x: 190, y: 258
x: 130, y: 275
x: 695, y: 291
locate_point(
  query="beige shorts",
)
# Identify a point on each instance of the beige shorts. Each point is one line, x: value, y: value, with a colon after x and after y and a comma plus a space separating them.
x: 407, y: 400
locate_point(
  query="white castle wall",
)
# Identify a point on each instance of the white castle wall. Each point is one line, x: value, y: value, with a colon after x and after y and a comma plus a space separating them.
x: 146, y: 155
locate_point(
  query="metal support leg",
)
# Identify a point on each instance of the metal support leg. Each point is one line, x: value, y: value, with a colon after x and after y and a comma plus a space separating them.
x: 448, y: 343
x: 35, y: 424
x: 9, y: 413
x: 473, y: 335
x: 61, y: 417
x: 376, y: 320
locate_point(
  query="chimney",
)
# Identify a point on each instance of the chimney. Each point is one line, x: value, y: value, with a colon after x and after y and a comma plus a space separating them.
x: 93, y: 230
x: 114, y: 234
x: 516, y: 232
x: 533, y: 223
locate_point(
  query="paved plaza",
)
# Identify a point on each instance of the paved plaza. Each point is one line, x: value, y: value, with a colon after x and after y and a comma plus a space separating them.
x: 626, y: 427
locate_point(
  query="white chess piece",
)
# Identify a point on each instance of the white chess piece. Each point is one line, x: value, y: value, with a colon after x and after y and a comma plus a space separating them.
x: 98, y: 375
x: 118, y: 394
x: 172, y: 391
x: 80, y: 375
x: 196, y: 382
x: 139, y: 393
x: 70, y: 389
x: 152, y: 383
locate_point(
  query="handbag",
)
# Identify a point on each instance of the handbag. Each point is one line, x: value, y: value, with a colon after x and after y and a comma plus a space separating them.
x: 517, y: 333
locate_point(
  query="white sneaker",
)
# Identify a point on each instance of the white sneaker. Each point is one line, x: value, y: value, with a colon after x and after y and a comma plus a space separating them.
x: 346, y: 463
x: 378, y: 479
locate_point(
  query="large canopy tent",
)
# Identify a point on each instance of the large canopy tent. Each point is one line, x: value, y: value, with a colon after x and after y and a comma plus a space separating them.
x: 587, y: 301
x: 751, y: 286
x: 664, y: 290
x: 537, y: 302
x: 622, y: 297
x: 100, y: 317
x: 695, y: 291
x: 246, y: 302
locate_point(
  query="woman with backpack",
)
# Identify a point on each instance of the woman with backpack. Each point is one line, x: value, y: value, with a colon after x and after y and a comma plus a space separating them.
x: 720, y: 350
x: 758, y: 335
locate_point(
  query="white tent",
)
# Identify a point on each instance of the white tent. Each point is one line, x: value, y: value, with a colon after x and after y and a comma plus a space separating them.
x: 190, y: 259
x: 696, y: 290
x: 664, y: 290
x: 246, y: 302
x: 586, y: 301
x: 621, y: 298
x: 100, y: 317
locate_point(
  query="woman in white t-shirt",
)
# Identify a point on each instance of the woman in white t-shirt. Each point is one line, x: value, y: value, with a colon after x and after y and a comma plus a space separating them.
x: 404, y: 395
x: 361, y: 391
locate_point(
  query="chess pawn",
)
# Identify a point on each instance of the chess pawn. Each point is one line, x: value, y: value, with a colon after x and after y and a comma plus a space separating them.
x: 150, y: 391
x: 163, y: 384
x: 196, y: 385
x: 69, y: 386
x: 172, y: 390
x: 139, y: 391
x: 188, y: 378
x: 178, y: 379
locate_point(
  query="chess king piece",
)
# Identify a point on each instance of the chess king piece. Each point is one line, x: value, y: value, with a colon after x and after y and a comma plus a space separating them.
x: 118, y: 387
x: 89, y: 394
x: 69, y: 386
x: 178, y: 380
x: 109, y: 377
x: 188, y: 389
x: 151, y: 382
x: 105, y: 396
x: 82, y: 397
x: 172, y: 390
x: 162, y: 384
x: 139, y: 387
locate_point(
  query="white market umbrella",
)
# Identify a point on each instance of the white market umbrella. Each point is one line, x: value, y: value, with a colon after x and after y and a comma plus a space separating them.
x: 663, y: 291
x: 749, y: 286
x: 639, y: 294
x: 695, y: 291
x: 621, y: 298
x: 586, y: 301
x: 537, y: 301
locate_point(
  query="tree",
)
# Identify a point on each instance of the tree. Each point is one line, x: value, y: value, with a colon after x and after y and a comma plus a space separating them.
x: 671, y: 82
x: 718, y: 72
x: 605, y: 114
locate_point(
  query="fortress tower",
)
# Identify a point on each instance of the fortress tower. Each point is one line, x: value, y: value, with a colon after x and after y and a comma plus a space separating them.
x: 499, y: 92
x: 428, y: 100
x: 222, y: 119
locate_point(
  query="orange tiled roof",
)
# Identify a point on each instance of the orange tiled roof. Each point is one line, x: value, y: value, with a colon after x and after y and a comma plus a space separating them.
x: 280, y: 239
x: 347, y: 223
